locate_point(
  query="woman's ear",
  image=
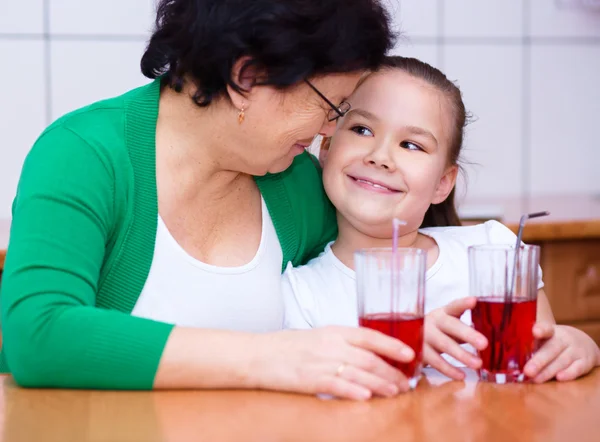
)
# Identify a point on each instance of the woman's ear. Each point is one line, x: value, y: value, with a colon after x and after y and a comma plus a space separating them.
x: 446, y: 184
x: 324, y: 150
x: 246, y: 75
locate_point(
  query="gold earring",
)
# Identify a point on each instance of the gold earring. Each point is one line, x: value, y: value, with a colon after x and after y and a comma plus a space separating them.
x: 241, y: 115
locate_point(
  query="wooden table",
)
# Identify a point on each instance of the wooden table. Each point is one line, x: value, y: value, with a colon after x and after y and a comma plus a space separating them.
x: 437, y: 410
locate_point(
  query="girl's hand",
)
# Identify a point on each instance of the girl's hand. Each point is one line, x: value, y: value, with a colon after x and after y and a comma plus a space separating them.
x: 444, y: 332
x: 566, y: 353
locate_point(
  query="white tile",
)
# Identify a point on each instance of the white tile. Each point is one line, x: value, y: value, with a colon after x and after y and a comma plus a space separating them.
x: 416, y: 18
x: 22, y: 112
x: 106, y: 17
x: 565, y: 114
x: 557, y: 19
x: 489, y: 18
x: 21, y: 17
x: 84, y: 72
x: 424, y: 52
x: 491, y: 82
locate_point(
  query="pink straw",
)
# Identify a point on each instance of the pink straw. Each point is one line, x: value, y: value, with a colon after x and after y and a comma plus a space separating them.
x: 396, y: 223
x: 396, y: 234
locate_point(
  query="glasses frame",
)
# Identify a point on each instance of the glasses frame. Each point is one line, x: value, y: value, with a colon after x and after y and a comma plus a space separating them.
x: 336, y: 112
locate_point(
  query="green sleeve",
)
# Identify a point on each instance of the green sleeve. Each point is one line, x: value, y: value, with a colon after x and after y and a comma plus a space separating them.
x: 328, y: 229
x: 54, y: 335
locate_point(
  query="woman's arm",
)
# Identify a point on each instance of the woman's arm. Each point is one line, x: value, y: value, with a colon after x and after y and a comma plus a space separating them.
x: 54, y: 336
x: 305, y: 361
x: 196, y: 358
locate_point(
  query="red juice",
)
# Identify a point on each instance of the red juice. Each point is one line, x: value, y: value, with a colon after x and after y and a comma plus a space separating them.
x: 510, y: 345
x: 402, y: 326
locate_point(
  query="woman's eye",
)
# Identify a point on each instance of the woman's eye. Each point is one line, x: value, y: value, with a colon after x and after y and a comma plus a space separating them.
x: 410, y: 146
x: 362, y: 131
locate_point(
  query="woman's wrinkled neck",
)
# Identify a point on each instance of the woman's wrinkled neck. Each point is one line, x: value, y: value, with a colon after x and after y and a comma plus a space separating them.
x: 190, y: 146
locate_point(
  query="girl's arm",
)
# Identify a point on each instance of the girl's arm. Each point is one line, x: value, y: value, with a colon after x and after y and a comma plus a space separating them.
x: 544, y: 311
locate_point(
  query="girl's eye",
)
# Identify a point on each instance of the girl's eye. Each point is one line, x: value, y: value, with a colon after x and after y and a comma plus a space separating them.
x: 362, y: 131
x: 410, y: 146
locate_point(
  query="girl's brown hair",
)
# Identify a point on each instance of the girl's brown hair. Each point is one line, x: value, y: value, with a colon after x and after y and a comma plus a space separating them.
x: 444, y: 213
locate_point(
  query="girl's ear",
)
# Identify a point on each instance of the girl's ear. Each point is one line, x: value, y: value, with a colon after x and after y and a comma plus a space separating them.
x: 324, y: 150
x: 446, y: 184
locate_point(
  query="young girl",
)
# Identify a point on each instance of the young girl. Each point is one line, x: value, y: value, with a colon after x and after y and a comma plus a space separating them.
x: 395, y: 154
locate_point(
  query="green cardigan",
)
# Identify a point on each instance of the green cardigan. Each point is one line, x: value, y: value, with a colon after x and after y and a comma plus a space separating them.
x: 82, y: 241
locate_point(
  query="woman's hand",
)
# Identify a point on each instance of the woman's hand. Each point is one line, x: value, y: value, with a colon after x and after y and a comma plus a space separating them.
x: 565, y: 353
x: 341, y: 361
x: 444, y: 332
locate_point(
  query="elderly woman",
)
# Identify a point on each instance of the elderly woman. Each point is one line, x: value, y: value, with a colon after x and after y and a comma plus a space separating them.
x: 149, y: 230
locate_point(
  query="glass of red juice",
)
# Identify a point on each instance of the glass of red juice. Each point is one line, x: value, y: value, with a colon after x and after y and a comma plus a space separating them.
x: 506, y: 308
x: 391, y: 299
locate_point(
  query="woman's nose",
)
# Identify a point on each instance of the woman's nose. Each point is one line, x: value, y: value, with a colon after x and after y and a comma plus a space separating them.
x: 328, y: 128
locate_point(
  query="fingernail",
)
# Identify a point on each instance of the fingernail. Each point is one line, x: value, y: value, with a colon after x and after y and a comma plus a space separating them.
x: 481, y: 342
x: 407, y: 353
x: 365, y: 394
x: 392, y: 390
x: 403, y: 386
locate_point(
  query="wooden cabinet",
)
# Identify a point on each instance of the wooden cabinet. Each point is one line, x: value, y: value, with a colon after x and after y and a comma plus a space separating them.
x: 572, y: 278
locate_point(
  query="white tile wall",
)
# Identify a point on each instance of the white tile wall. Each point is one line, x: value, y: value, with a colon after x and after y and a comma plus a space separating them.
x: 103, y: 69
x: 548, y: 19
x: 21, y: 17
x: 416, y: 18
x: 429, y: 53
x: 565, y: 115
x: 22, y: 112
x: 106, y: 17
x: 489, y: 18
x: 491, y: 83
x: 95, y: 49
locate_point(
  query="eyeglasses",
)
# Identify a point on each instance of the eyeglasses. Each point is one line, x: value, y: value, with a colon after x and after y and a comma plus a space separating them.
x: 336, y: 111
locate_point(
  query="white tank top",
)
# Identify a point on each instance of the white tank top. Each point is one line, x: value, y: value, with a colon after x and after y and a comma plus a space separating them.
x: 186, y: 292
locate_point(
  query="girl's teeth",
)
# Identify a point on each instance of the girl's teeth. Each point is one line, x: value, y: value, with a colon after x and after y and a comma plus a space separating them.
x: 377, y: 186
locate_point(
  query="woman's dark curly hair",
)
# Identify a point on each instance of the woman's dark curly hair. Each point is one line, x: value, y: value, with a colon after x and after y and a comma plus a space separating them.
x: 286, y: 40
